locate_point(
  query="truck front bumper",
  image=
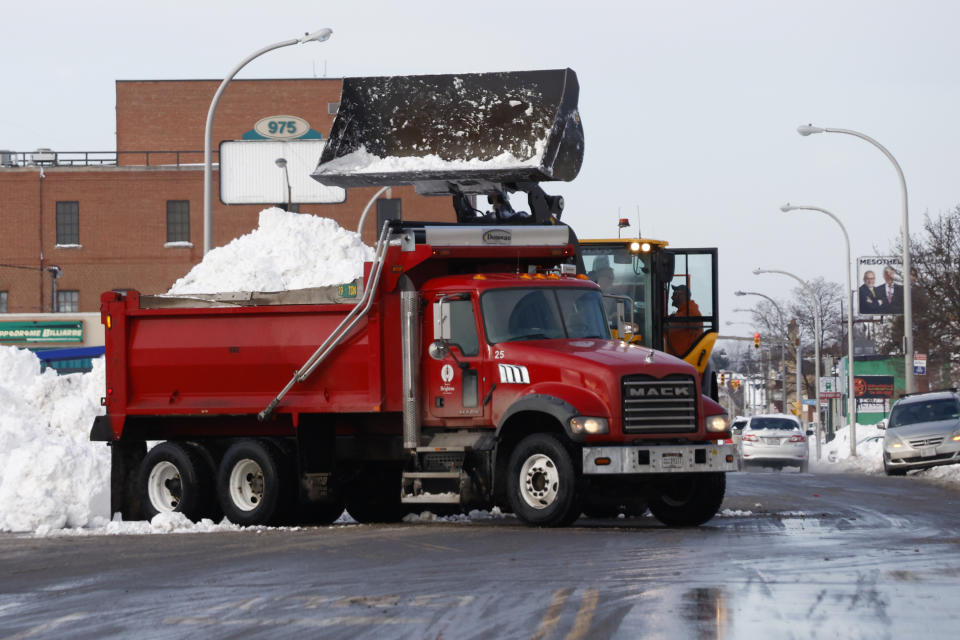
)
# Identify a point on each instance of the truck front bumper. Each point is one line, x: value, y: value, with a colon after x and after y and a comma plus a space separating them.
x: 685, y: 458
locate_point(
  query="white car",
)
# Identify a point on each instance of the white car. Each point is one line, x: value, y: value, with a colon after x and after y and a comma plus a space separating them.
x: 775, y: 440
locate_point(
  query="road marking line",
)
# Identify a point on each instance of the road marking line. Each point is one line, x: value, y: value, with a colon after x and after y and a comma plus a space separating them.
x: 552, y: 615
x: 439, y: 600
x: 47, y: 626
x: 581, y: 625
x: 308, y: 622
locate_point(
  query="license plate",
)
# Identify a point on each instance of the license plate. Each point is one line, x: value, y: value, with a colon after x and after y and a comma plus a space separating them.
x: 927, y: 452
x: 772, y: 440
x: 672, y: 460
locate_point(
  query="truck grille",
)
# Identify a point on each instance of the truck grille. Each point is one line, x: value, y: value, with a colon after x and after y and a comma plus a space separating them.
x: 659, y: 406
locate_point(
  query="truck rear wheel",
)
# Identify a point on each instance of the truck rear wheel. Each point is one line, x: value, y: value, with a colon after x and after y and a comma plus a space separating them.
x: 251, y: 484
x: 174, y: 477
x: 688, y: 500
x: 541, y: 482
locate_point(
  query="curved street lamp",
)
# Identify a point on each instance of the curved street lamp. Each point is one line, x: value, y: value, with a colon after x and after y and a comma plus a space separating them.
x: 851, y: 402
x: 808, y: 129
x: 316, y: 36
x: 282, y: 163
x: 783, y: 360
x: 816, y: 345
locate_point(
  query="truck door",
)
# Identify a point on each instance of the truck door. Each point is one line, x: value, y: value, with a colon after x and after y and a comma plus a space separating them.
x: 454, y: 384
x: 686, y: 283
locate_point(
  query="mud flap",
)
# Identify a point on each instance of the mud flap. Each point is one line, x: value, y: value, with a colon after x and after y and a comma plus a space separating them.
x: 474, y: 131
x: 125, y: 460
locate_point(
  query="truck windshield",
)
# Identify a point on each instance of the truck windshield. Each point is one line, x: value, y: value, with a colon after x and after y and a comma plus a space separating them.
x: 930, y: 411
x: 511, y: 315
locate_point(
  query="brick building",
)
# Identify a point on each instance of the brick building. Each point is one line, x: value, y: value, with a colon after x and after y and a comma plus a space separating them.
x: 133, y: 218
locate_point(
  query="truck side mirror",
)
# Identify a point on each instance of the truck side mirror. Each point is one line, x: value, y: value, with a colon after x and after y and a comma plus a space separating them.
x: 438, y: 349
x: 441, y: 320
x: 625, y: 326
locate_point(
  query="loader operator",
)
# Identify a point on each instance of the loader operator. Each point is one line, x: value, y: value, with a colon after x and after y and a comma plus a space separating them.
x: 681, y: 336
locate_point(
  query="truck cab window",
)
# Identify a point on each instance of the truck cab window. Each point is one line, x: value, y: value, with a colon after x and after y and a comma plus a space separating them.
x: 512, y: 315
x: 463, y: 327
x: 620, y: 272
x: 689, y: 303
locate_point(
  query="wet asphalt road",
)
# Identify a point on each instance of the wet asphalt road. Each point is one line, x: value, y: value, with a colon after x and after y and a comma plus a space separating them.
x: 798, y: 556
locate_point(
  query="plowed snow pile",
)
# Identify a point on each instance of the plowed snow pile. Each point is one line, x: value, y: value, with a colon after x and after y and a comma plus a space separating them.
x: 51, y: 475
x: 286, y: 251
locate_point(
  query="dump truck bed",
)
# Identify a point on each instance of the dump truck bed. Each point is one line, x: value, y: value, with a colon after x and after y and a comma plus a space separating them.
x: 216, y: 355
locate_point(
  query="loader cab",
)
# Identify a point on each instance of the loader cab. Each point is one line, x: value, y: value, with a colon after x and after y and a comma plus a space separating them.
x: 672, y: 292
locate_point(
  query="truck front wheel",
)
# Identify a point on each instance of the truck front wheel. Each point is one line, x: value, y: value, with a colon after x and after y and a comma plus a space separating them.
x: 251, y: 484
x: 541, y: 482
x: 174, y: 477
x: 688, y: 500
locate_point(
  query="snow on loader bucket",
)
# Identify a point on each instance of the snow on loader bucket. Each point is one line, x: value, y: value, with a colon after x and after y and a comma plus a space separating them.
x: 467, y: 133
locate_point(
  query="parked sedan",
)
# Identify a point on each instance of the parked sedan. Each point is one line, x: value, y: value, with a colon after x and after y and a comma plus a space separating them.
x: 774, y: 441
x: 923, y: 431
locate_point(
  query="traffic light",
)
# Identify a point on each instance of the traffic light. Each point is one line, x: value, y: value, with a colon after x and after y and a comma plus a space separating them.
x: 756, y: 341
x: 723, y: 378
x: 796, y: 407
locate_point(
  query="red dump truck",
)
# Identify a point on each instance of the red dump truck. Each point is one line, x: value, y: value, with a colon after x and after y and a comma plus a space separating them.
x: 472, y: 365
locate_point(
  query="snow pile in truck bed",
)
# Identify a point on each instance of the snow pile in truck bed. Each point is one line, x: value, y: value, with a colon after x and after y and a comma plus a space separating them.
x: 51, y: 475
x: 286, y: 251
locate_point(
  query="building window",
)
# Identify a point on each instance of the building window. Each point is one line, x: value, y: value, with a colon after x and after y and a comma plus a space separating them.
x: 3, y: 301
x: 68, y: 223
x: 178, y: 221
x: 68, y: 301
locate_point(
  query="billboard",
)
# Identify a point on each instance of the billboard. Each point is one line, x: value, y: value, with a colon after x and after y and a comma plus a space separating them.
x: 880, y: 290
x: 250, y: 173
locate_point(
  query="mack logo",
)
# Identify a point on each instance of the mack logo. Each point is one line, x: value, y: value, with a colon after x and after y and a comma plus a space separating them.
x: 497, y: 236
x: 661, y: 392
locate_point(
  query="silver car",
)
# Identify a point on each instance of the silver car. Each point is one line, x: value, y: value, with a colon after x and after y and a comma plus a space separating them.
x: 775, y: 440
x: 923, y: 431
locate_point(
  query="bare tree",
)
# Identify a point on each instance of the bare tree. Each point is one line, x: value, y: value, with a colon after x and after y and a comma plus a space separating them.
x: 935, y: 294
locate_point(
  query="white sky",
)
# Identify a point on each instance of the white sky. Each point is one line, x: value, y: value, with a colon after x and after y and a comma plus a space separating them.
x: 689, y: 108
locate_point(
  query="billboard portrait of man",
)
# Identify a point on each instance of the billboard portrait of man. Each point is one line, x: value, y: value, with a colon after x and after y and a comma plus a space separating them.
x: 891, y: 293
x: 881, y: 289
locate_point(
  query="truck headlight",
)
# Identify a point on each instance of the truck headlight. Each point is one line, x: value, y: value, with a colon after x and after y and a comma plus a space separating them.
x: 583, y: 424
x: 717, y: 423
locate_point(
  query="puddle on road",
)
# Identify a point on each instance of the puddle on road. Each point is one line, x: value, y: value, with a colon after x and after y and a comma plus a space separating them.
x: 705, y: 608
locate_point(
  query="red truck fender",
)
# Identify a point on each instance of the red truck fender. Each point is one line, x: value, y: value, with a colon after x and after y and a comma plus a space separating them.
x: 560, y: 401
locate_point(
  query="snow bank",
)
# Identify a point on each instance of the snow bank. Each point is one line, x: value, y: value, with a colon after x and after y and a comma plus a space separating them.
x: 835, y: 458
x: 51, y: 475
x: 286, y: 251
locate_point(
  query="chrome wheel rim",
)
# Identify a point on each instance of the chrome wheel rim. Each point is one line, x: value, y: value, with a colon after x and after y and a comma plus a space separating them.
x: 539, y: 481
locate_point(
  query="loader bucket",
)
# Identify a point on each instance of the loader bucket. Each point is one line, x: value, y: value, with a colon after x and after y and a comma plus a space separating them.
x: 473, y: 129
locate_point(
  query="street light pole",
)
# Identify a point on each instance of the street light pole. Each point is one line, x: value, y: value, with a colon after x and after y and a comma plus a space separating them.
x: 282, y: 163
x: 783, y: 361
x: 316, y: 36
x: 851, y: 403
x: 816, y: 345
x: 806, y: 130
